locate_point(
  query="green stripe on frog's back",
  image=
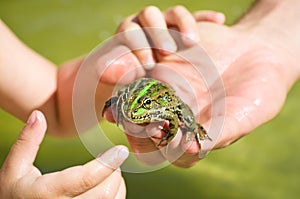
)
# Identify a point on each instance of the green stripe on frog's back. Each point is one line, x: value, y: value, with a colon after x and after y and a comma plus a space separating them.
x: 142, y: 93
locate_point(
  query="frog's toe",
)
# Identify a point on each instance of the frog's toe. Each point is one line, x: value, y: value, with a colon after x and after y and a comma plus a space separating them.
x: 189, y: 136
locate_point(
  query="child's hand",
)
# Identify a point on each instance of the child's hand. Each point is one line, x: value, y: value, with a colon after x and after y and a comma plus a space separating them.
x: 19, y: 178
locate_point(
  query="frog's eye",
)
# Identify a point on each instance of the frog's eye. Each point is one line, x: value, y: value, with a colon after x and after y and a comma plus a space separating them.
x: 146, y: 103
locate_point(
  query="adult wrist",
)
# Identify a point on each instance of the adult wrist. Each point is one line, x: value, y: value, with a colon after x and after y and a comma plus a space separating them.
x: 275, y: 23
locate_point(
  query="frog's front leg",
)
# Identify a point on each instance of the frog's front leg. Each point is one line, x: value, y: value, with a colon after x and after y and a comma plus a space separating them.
x: 172, y: 127
x: 190, y: 126
x: 202, y: 133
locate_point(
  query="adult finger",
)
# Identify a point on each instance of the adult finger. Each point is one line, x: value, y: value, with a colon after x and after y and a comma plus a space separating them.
x: 77, y: 180
x: 186, y: 22
x: 180, y: 17
x: 145, y: 150
x: 107, y: 189
x: 152, y: 17
x: 133, y: 36
x: 24, y: 151
x: 209, y: 15
x: 116, y: 64
x: 179, y: 151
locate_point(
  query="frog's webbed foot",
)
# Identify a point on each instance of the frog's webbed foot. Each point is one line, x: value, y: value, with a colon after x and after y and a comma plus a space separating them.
x: 202, y: 133
x: 190, y: 136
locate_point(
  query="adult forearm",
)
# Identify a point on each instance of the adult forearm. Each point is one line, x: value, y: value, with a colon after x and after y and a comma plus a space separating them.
x: 276, y: 22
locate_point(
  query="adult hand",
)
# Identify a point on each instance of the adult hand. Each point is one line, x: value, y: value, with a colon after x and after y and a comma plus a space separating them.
x: 163, y: 45
x: 256, y: 71
x: 256, y: 66
x: 19, y: 178
x: 131, y: 52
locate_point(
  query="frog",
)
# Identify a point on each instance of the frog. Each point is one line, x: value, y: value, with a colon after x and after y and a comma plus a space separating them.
x: 147, y: 100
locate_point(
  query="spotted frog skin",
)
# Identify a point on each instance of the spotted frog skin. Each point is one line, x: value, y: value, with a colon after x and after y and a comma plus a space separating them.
x: 147, y: 100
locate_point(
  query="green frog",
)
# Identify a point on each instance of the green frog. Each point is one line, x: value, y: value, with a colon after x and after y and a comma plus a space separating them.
x: 147, y: 100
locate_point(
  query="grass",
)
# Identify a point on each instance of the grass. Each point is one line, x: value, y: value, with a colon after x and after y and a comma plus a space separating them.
x: 264, y: 164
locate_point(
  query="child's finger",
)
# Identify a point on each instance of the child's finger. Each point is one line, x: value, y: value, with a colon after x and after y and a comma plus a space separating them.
x: 23, y: 152
x: 209, y: 15
x: 107, y: 189
x: 77, y: 180
x: 121, y: 194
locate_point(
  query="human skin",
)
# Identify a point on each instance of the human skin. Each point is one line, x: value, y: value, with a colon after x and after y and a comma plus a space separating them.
x: 257, y: 62
x: 19, y: 178
x: 27, y: 82
x: 39, y: 84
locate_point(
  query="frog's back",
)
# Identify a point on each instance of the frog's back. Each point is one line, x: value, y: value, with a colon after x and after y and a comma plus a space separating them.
x: 135, y: 86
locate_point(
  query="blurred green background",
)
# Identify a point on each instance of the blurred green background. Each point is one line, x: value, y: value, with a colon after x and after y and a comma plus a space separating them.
x: 264, y: 164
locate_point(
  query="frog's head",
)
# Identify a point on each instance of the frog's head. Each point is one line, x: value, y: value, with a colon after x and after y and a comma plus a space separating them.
x: 142, y: 107
x: 142, y: 100
x: 147, y: 100
x: 149, y: 104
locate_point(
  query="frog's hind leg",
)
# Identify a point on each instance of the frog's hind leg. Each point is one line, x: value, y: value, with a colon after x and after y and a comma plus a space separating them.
x: 166, y: 138
x: 171, y: 131
x: 108, y: 103
x: 202, y: 134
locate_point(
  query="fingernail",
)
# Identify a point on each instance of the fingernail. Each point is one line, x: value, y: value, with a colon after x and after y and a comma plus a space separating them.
x: 221, y: 17
x: 39, y: 116
x: 150, y: 63
x: 114, y: 157
x: 32, y: 118
x: 190, y: 36
x: 190, y: 39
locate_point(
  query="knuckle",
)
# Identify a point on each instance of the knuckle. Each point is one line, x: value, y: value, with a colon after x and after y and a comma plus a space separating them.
x: 37, y: 192
x: 124, y: 25
x: 87, y: 181
x: 178, y: 9
x: 134, y: 38
x: 41, y: 195
x: 148, y: 11
x: 127, y: 24
x: 129, y: 35
x: 143, y: 53
x: 189, y: 21
x: 121, y: 27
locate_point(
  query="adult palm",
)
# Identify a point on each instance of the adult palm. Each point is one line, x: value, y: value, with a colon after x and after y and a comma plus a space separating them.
x: 255, y: 77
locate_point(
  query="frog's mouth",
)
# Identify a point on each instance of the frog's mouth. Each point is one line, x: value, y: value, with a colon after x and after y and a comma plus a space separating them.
x: 158, y: 130
x: 155, y: 130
